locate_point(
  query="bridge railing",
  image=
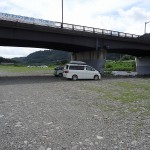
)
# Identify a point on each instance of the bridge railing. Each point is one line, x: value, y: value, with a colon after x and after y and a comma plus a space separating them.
x: 94, y: 30
x: 41, y: 22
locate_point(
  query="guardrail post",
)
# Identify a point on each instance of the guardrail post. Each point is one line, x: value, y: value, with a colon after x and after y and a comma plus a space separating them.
x: 83, y: 28
x: 125, y: 34
x: 93, y: 30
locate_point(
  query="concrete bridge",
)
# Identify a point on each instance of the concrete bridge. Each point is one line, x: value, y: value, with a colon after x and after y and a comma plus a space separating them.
x: 86, y: 43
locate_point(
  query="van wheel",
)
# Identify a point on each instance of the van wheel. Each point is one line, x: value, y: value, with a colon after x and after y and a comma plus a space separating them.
x: 60, y: 74
x: 74, y: 77
x: 96, y: 77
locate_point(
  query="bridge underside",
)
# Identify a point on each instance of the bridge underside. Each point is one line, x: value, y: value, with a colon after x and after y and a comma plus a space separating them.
x: 41, y: 44
x: 72, y: 47
x: 133, y: 52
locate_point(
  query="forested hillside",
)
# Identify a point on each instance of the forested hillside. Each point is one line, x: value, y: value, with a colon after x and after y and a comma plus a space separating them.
x: 5, y: 60
x: 45, y: 57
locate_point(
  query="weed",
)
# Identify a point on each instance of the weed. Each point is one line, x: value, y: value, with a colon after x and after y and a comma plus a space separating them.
x: 137, y: 129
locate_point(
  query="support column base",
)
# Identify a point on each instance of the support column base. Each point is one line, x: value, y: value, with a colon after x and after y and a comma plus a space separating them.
x: 143, y: 65
x: 94, y: 58
x: 97, y: 64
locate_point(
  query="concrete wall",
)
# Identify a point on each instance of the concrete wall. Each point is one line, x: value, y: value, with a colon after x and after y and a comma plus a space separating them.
x: 143, y: 65
x: 95, y: 58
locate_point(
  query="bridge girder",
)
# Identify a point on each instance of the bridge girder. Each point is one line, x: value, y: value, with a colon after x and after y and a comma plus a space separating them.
x: 23, y: 35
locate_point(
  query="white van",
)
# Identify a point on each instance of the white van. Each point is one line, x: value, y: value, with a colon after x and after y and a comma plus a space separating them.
x: 80, y: 70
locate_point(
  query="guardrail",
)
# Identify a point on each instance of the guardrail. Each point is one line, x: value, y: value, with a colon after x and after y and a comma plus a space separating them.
x: 41, y: 22
x: 94, y: 30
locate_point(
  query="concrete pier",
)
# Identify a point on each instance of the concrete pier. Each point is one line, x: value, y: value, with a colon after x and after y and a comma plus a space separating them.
x: 143, y: 65
x: 95, y: 58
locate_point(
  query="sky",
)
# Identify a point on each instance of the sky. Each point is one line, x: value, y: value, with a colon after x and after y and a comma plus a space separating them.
x: 120, y: 15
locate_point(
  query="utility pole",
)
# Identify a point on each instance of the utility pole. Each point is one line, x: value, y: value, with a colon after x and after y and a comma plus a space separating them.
x: 62, y: 15
x: 145, y: 26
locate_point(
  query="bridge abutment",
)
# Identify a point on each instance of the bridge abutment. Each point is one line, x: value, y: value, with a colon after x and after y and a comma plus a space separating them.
x: 95, y: 58
x: 143, y: 65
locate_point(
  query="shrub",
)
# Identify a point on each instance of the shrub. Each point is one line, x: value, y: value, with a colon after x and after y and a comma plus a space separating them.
x: 109, y: 66
x: 120, y: 66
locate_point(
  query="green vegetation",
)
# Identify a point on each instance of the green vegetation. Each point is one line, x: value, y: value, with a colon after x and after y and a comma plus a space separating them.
x: 15, y: 69
x: 129, y: 92
x: 120, y: 65
x: 130, y: 97
x: 117, y: 57
x: 5, y: 60
x: 137, y: 129
x: 45, y: 57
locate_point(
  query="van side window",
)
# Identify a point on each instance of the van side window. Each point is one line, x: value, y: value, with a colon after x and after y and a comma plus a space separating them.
x: 89, y: 68
x: 76, y: 68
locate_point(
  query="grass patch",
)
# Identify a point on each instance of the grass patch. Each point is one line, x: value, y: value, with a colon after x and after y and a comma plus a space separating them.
x: 105, y: 107
x: 134, y: 110
x: 137, y: 128
x: 130, y: 92
x: 120, y: 65
x: 20, y: 69
x: 130, y: 97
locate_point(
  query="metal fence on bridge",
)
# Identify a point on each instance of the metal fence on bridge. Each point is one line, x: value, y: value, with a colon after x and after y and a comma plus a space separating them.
x: 94, y: 30
x: 48, y: 23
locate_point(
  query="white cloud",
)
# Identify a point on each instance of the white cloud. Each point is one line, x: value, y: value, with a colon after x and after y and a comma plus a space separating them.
x: 125, y: 16
x: 10, y: 52
x: 134, y: 19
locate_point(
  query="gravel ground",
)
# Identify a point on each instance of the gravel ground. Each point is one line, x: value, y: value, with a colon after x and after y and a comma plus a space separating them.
x: 49, y: 113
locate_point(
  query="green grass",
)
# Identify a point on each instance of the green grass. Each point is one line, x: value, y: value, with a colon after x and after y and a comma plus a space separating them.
x: 120, y: 65
x: 105, y: 107
x: 131, y: 97
x: 130, y: 92
x: 17, y: 69
x: 137, y: 129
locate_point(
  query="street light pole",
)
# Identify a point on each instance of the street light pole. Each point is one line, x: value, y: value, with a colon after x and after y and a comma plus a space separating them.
x: 62, y: 14
x: 145, y: 26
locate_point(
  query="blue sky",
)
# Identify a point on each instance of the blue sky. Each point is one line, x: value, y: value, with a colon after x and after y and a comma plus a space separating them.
x: 121, y: 15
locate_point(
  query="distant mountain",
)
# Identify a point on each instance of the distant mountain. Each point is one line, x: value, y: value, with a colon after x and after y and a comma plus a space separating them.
x: 6, y: 60
x: 18, y: 59
x: 45, y: 57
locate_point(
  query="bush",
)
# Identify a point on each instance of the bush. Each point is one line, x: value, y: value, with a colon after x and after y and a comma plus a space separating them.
x: 127, y: 57
x: 109, y: 66
x: 120, y: 66
x: 134, y: 65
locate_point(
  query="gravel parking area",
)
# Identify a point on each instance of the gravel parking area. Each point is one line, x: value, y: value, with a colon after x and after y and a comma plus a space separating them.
x: 51, y: 113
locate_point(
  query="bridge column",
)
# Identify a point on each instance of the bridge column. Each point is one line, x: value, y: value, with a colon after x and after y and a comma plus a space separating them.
x: 95, y: 58
x: 143, y: 65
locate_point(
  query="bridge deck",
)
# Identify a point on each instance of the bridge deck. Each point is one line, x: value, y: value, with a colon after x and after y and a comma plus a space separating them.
x: 70, y: 37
